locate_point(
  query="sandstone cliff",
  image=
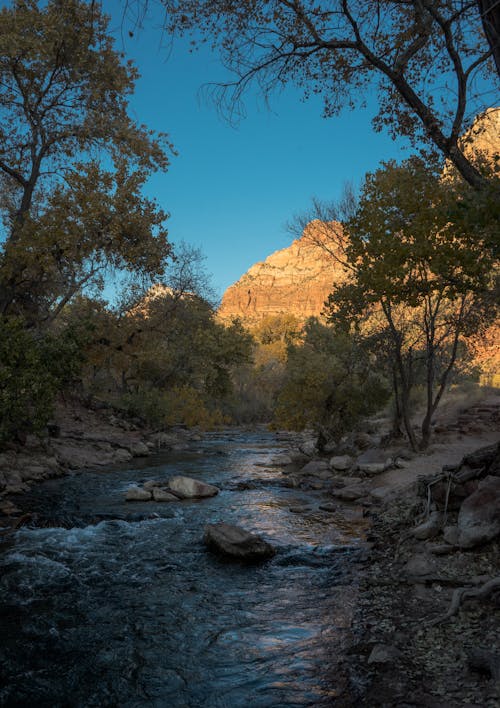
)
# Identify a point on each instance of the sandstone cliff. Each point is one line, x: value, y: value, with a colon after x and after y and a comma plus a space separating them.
x: 294, y: 280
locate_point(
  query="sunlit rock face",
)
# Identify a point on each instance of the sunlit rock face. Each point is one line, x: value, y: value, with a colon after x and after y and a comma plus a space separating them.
x: 295, y: 280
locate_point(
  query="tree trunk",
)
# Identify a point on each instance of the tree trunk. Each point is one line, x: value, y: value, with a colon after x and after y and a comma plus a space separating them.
x: 490, y: 17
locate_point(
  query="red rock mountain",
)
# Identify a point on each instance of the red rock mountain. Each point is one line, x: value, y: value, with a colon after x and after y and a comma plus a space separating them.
x: 294, y: 280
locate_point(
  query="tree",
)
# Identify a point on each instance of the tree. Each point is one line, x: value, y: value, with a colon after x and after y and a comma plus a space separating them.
x: 72, y: 160
x: 419, y: 278
x: 490, y: 17
x: 330, y: 383
x: 426, y: 57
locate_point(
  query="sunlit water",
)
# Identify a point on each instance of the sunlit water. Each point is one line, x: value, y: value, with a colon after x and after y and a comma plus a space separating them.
x: 138, y: 612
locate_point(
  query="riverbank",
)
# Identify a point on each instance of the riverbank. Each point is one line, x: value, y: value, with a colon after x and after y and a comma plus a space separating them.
x: 394, y: 656
x: 79, y: 438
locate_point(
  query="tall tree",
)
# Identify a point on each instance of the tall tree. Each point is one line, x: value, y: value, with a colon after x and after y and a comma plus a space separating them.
x: 72, y: 160
x: 426, y: 57
x: 419, y: 277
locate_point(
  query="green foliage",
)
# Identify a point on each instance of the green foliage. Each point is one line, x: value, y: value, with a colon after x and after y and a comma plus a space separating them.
x: 32, y: 372
x: 166, y: 359
x: 418, y: 275
x: 181, y: 405
x: 330, y: 383
x: 68, y: 220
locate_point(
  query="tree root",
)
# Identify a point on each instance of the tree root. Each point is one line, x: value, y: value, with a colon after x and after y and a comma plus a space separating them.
x: 462, y: 594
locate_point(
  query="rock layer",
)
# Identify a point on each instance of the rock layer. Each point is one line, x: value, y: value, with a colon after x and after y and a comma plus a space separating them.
x: 295, y: 280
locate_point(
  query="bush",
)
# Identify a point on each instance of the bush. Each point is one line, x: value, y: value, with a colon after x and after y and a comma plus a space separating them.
x: 33, y: 369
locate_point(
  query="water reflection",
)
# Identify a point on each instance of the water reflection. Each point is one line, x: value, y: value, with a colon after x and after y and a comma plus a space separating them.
x: 139, y: 614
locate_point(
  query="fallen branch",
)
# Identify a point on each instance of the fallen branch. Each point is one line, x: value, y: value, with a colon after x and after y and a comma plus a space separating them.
x: 462, y: 594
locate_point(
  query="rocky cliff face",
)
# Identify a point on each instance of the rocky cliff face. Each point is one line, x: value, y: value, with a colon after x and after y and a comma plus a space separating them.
x: 295, y: 280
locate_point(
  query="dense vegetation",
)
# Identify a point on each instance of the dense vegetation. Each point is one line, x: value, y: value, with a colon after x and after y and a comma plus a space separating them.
x: 420, y: 250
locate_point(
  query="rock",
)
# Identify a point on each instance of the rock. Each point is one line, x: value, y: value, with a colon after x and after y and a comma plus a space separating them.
x: 162, y: 495
x: 330, y: 508
x: 383, y: 493
x: 330, y: 448
x: 482, y: 457
x: 341, y: 462
x: 450, y: 535
x: 188, y: 488
x: 440, y: 549
x: 235, y: 542
x: 351, y: 493
x: 401, y: 464
x: 353, y: 513
x: 296, y: 280
x: 419, y: 565
x: 137, y: 494
x: 314, y: 467
x: 281, y: 460
x: 151, y: 484
x: 122, y: 455
x: 138, y: 449
x: 363, y: 441
x: 384, y: 654
x: 479, y: 515
x: 372, y: 467
x: 308, y: 448
x: 429, y: 528
x: 299, y: 509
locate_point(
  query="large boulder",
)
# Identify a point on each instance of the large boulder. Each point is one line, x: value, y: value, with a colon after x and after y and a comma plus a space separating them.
x: 235, y: 542
x: 479, y: 515
x: 188, y: 488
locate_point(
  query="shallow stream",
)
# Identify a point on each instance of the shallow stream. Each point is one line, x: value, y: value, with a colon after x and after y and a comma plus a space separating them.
x: 106, y: 607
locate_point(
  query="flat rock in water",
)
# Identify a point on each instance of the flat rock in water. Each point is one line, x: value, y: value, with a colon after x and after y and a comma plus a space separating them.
x: 315, y: 467
x: 163, y: 495
x: 137, y: 494
x: 237, y: 543
x: 188, y: 488
x: 281, y: 460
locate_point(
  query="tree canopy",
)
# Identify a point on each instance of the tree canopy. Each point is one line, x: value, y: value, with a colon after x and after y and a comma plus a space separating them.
x: 428, y: 59
x: 419, y: 277
x: 72, y: 160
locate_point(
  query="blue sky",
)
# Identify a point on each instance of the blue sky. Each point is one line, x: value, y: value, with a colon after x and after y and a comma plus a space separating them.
x: 230, y: 190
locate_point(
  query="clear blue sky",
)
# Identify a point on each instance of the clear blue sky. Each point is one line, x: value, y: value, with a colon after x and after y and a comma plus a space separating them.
x: 231, y: 191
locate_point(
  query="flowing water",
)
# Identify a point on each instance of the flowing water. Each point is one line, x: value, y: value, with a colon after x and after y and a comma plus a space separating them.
x: 124, y: 610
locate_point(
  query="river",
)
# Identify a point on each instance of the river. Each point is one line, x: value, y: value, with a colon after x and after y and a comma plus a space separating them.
x: 102, y: 606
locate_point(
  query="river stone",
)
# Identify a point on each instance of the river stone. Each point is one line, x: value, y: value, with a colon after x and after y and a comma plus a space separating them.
x: 351, y: 493
x: 341, y: 463
x: 315, y: 467
x: 138, y: 448
x: 137, y: 494
x: 162, y: 495
x: 372, y: 467
x: 430, y: 528
x: 188, y: 488
x: 330, y: 508
x: 479, y: 515
x: 122, y: 455
x: 235, y: 542
x: 384, y: 654
x: 281, y: 460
